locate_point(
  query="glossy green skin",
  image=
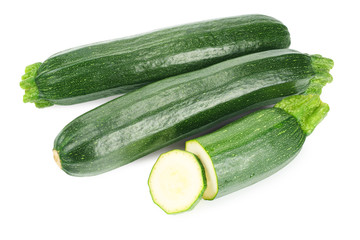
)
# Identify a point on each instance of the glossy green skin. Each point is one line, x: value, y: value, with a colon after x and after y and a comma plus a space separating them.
x: 252, y: 148
x: 119, y: 66
x: 145, y: 120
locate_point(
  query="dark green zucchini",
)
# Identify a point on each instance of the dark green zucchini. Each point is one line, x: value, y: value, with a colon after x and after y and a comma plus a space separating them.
x: 161, y: 113
x: 119, y: 66
x: 256, y: 146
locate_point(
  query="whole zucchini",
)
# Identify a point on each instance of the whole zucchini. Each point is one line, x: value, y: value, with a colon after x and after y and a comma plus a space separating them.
x: 119, y: 66
x: 161, y: 113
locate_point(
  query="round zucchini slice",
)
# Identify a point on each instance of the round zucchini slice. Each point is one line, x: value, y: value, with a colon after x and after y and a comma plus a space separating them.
x: 177, y: 181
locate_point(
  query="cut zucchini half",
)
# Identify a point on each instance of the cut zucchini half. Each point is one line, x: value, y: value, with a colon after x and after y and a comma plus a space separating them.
x: 211, y: 190
x: 177, y: 181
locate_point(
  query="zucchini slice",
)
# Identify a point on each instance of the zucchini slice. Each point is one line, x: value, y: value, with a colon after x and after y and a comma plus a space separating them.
x: 177, y: 181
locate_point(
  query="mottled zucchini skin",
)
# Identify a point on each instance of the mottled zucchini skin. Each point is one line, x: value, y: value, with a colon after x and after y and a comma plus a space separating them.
x: 161, y: 113
x: 252, y: 148
x: 119, y: 66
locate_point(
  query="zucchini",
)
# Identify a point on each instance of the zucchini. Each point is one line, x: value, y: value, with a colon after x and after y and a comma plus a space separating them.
x: 256, y: 146
x: 239, y: 154
x: 122, y: 65
x: 177, y: 181
x: 161, y: 113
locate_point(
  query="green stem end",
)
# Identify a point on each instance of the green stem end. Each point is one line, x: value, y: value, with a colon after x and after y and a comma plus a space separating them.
x: 321, y: 66
x: 309, y: 110
x: 321, y: 63
x: 31, y: 90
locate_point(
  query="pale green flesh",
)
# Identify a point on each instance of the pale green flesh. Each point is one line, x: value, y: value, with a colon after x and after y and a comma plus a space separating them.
x: 177, y: 181
x: 211, y: 179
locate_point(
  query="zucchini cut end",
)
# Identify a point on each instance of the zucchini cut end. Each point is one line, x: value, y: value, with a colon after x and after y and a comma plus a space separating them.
x: 212, y: 189
x: 177, y: 181
x: 57, y: 158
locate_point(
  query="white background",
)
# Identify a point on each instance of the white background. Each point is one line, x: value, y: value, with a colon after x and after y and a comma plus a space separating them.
x: 314, y: 197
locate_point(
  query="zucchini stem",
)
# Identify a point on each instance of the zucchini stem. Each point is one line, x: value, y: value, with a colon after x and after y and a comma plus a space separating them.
x: 318, y: 82
x: 321, y: 66
x: 309, y: 110
x: 31, y: 90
